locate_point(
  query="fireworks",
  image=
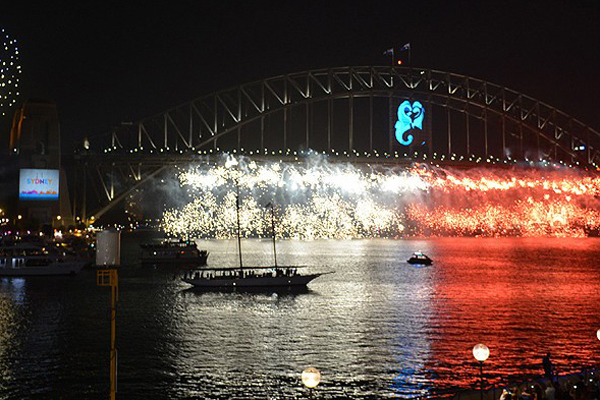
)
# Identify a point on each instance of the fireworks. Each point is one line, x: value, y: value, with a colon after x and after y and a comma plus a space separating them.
x: 508, y: 203
x: 318, y: 200
x: 314, y: 201
x: 10, y: 70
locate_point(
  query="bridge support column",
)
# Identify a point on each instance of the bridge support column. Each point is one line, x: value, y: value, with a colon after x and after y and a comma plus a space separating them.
x: 329, y: 122
x: 307, y: 110
x: 503, y: 135
x: 84, y: 203
x: 521, y: 140
x: 485, y: 131
x: 285, y: 118
x: 390, y: 113
x: 262, y: 132
x: 468, y: 134
x: 449, y: 121
x: 351, y: 123
x: 371, y: 123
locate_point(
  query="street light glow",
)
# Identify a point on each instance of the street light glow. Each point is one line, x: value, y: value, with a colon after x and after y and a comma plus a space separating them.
x: 481, y: 352
x: 311, y: 377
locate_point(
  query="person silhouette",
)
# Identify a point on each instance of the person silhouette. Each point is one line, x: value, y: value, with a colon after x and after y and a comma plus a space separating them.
x: 547, y: 364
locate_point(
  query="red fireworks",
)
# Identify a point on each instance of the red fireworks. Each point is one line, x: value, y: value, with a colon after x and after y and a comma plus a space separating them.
x: 506, y: 203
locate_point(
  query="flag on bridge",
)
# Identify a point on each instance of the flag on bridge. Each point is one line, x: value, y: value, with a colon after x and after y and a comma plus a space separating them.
x: 405, y: 47
x: 388, y: 52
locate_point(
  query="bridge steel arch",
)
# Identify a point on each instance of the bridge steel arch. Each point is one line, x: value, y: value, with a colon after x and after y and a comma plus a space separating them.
x: 340, y: 110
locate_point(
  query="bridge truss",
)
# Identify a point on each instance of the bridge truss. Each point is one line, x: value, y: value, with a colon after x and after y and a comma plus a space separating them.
x: 344, y: 112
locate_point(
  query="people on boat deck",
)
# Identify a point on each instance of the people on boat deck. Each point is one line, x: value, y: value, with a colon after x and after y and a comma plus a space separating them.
x: 547, y: 364
x: 279, y: 272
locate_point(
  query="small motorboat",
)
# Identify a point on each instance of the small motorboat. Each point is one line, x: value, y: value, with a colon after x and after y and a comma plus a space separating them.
x: 419, y: 259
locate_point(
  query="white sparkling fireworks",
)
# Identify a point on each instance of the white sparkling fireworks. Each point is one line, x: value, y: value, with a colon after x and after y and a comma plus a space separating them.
x: 315, y: 200
x: 10, y: 70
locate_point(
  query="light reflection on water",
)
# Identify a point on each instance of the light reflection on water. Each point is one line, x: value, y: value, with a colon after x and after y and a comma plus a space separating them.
x: 377, y: 326
x: 8, y: 325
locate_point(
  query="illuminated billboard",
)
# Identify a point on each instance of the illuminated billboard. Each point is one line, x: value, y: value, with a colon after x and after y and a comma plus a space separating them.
x: 38, y: 184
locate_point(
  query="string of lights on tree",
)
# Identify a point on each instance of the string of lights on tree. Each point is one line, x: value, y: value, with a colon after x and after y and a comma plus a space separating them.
x: 10, y: 70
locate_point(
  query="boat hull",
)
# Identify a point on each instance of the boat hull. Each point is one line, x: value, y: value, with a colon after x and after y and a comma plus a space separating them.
x: 256, y: 281
x: 63, y: 268
x: 419, y: 262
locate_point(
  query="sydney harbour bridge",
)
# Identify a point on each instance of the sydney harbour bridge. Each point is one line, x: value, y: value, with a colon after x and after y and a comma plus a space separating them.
x: 364, y: 114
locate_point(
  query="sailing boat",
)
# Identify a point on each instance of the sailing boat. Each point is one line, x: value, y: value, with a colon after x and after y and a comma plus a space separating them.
x: 250, y: 277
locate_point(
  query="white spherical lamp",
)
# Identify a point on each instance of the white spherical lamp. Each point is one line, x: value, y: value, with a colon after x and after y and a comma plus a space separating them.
x: 311, y: 377
x: 598, y: 334
x: 481, y: 352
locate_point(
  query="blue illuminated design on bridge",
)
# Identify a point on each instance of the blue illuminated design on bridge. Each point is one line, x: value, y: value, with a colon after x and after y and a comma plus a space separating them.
x: 410, y: 116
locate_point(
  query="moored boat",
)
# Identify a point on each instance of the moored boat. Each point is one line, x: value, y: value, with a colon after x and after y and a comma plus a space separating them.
x: 26, y: 259
x: 248, y: 277
x: 173, y: 251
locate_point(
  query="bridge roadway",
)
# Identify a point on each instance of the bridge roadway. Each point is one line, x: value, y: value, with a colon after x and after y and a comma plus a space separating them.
x: 161, y: 160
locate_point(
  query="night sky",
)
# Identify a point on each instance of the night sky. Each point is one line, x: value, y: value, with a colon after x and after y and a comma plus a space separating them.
x: 104, y: 65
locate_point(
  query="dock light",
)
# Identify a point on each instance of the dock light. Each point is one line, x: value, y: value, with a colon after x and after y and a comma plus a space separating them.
x: 311, y: 377
x: 481, y: 353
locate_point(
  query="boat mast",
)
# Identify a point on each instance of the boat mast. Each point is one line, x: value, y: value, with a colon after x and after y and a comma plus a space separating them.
x: 237, y: 209
x: 273, y: 232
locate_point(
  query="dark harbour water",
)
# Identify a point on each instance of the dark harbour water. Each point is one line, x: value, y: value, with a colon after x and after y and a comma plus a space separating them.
x: 376, y: 328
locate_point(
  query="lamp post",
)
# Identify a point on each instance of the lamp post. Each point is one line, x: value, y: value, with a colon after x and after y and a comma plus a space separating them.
x: 311, y: 378
x: 481, y: 353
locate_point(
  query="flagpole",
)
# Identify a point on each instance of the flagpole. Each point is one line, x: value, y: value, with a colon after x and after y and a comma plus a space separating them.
x: 392, y: 65
x: 390, y: 101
